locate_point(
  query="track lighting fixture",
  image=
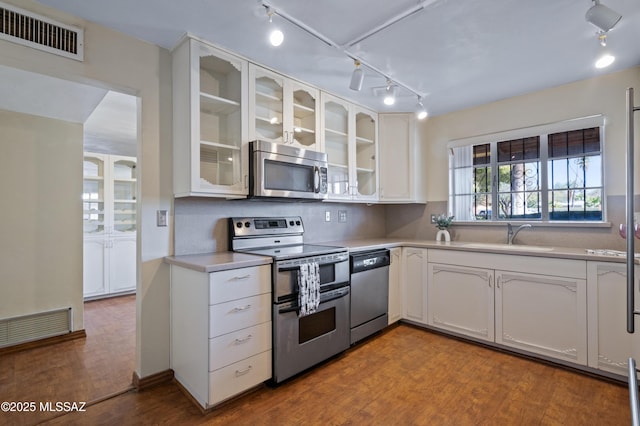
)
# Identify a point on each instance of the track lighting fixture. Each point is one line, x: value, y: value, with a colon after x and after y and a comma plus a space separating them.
x: 357, y: 77
x: 606, y: 58
x: 276, y: 37
x: 421, y: 112
x: 390, y: 94
x: 602, y: 17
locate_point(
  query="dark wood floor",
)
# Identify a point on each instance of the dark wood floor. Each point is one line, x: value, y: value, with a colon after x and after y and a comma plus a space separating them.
x: 404, y: 376
x: 86, y: 370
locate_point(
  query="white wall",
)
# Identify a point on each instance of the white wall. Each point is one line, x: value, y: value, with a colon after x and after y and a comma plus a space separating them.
x: 40, y: 230
x: 115, y: 61
x: 600, y: 95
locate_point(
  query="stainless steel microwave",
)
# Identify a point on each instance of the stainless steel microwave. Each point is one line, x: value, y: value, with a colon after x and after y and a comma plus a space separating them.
x: 277, y: 170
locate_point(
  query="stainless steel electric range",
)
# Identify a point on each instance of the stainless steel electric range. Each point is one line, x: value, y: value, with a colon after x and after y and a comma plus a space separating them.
x: 299, y: 342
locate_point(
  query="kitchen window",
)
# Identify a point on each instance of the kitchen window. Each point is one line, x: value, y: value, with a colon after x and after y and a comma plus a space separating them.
x: 548, y: 173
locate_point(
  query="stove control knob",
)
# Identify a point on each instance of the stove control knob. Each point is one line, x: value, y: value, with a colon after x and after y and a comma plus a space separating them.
x: 238, y: 224
x: 247, y: 224
x: 298, y: 222
x: 290, y: 223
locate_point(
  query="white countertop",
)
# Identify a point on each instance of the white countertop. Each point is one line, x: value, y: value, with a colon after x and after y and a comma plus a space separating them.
x: 516, y: 249
x: 214, y: 262
x: 220, y: 261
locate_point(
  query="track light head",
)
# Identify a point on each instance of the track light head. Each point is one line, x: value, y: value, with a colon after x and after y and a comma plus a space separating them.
x: 276, y: 37
x: 421, y: 112
x: 357, y: 77
x: 602, y: 17
x: 606, y: 58
x: 390, y: 94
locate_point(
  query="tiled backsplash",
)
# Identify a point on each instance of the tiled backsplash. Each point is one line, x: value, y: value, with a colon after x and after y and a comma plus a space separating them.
x: 201, y: 224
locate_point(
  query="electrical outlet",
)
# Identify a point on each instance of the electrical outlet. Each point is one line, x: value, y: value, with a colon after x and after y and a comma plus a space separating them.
x: 327, y: 216
x: 342, y: 216
x: 433, y: 218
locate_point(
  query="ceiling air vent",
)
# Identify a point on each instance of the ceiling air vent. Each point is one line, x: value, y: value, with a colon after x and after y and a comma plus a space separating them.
x: 29, y: 29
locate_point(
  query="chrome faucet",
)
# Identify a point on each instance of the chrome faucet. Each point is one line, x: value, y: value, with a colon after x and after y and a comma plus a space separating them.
x: 511, y: 234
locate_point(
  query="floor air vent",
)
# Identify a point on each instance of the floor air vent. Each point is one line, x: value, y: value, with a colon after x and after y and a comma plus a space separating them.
x: 29, y: 29
x: 33, y: 327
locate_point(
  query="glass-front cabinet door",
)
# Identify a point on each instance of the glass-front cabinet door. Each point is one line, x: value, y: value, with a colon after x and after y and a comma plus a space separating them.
x: 266, y: 108
x: 93, y: 195
x: 124, y: 181
x: 351, y: 144
x: 366, y: 151
x: 282, y: 110
x: 210, y: 110
x: 336, y: 146
x: 303, y: 128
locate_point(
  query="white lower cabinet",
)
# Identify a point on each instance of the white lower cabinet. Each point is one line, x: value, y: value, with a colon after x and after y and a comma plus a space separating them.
x: 220, y: 331
x: 415, y: 284
x: 109, y: 266
x: 460, y: 299
x: 610, y: 345
x: 502, y: 299
x: 542, y: 314
x: 395, y: 280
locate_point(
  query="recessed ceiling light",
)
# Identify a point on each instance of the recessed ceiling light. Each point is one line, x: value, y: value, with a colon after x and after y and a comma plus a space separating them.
x: 605, y: 60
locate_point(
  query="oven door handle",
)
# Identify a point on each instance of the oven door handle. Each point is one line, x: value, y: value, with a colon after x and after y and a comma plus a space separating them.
x: 297, y: 267
x: 323, y: 299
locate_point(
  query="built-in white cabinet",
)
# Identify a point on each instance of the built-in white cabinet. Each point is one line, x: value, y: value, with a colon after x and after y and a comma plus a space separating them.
x: 350, y: 137
x: 209, y: 121
x: 109, y: 224
x: 542, y: 314
x: 283, y: 110
x: 610, y: 345
x: 415, y: 285
x: 505, y: 299
x: 395, y: 285
x: 461, y: 300
x: 220, y: 331
x: 401, y: 173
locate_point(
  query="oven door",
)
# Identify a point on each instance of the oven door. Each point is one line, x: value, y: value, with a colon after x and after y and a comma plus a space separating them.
x: 334, y: 272
x: 278, y: 175
x: 302, y: 342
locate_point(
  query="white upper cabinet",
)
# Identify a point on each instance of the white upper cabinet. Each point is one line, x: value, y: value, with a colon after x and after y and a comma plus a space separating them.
x: 350, y: 136
x: 401, y: 177
x: 282, y: 110
x: 210, y: 121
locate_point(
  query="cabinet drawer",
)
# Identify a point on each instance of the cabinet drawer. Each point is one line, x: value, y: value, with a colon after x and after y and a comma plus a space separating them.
x: 238, y: 314
x: 238, y: 283
x: 239, y: 345
x: 236, y: 378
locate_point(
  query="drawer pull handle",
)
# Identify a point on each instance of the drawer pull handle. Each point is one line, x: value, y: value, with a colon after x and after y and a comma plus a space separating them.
x: 241, y: 308
x: 243, y: 372
x: 244, y: 339
x: 243, y: 277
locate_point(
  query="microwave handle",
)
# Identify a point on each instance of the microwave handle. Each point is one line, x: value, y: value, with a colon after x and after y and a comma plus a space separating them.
x: 316, y: 179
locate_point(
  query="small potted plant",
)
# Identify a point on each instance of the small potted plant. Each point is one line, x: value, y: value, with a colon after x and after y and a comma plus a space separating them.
x: 443, y: 222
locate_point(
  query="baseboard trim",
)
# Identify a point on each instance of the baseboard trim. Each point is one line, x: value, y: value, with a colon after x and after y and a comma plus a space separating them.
x: 143, y: 383
x: 78, y: 334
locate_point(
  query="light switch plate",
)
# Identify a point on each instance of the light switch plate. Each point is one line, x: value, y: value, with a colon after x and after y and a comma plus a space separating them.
x: 327, y: 216
x: 342, y: 216
x: 161, y: 218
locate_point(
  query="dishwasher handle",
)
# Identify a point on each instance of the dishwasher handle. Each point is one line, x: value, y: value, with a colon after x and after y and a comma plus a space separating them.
x: 364, y: 261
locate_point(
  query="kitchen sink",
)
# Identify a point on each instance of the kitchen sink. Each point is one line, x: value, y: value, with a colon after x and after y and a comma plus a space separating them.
x: 512, y: 247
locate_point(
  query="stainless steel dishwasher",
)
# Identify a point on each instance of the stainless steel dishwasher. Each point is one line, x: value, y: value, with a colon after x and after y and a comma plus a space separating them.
x: 369, y: 292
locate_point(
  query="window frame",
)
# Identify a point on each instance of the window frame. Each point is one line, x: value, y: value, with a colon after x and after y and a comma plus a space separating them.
x: 541, y: 131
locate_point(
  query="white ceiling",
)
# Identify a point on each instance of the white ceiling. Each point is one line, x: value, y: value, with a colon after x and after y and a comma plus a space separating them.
x: 456, y: 53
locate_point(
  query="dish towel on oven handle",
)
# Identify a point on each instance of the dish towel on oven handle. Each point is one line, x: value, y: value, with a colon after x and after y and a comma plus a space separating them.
x: 308, y: 288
